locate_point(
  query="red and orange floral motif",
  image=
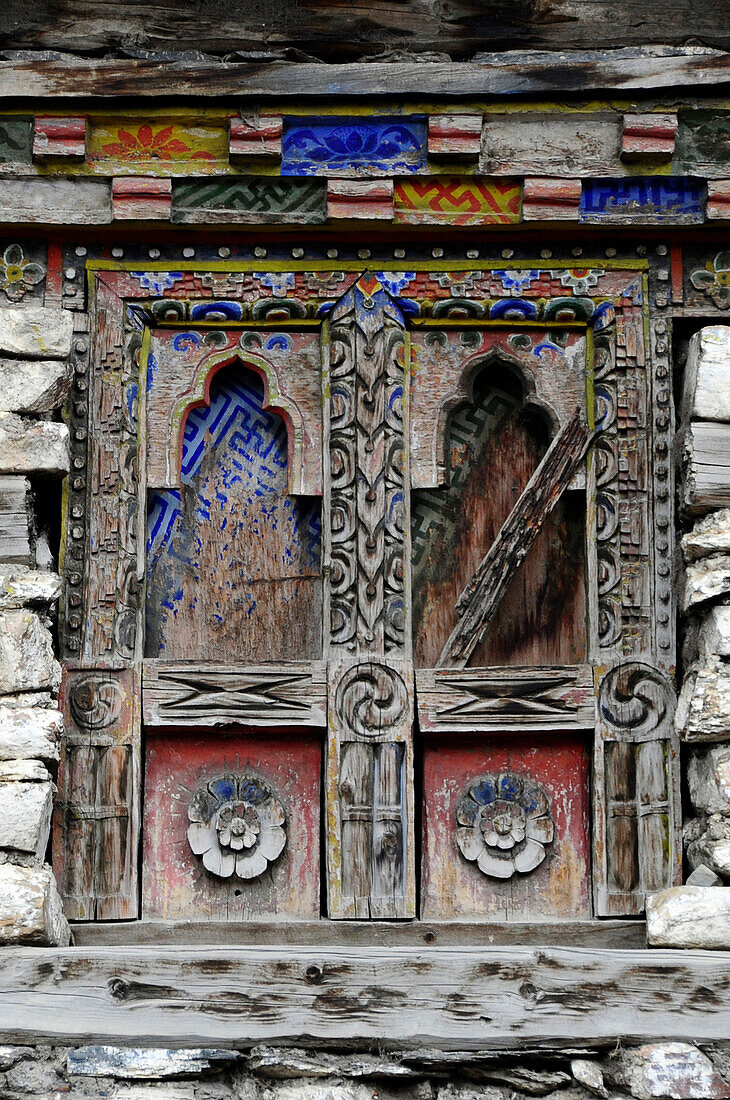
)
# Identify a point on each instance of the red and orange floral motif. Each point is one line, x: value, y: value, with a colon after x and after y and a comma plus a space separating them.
x: 147, y: 144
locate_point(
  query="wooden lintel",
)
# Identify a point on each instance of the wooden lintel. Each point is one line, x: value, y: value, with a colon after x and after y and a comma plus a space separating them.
x: 518, y: 72
x: 460, y: 998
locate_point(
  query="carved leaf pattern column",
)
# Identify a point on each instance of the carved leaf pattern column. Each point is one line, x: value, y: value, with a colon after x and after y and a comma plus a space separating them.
x: 370, y: 850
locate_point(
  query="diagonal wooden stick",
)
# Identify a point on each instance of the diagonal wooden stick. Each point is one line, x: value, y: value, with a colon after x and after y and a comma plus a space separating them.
x: 478, y: 603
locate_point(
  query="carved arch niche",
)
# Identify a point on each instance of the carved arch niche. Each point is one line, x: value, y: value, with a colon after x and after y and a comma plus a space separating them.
x: 233, y: 544
x: 504, y: 406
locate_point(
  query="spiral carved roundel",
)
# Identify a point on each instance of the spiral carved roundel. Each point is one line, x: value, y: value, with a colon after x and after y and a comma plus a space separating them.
x: 371, y: 698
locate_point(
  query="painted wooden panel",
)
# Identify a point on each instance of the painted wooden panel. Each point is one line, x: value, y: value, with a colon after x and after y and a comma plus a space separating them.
x: 457, y: 200
x: 703, y: 142
x: 494, y: 446
x: 176, y: 882
x: 362, y: 146
x: 59, y: 137
x: 255, y: 136
x: 495, y: 827
x: 649, y: 135
x: 96, y: 817
x: 644, y: 199
x: 550, y: 144
x: 137, y: 146
x: 249, y: 199
x: 233, y: 560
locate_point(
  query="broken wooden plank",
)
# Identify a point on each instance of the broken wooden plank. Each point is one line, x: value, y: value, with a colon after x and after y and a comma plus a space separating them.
x: 15, y: 513
x: 487, y: 700
x: 519, y: 72
x: 706, y: 465
x: 399, y: 996
x: 479, y: 601
x: 195, y: 693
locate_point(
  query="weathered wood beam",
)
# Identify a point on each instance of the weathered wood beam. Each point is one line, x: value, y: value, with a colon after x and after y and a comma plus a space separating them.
x: 478, y: 603
x: 460, y: 998
x: 519, y: 72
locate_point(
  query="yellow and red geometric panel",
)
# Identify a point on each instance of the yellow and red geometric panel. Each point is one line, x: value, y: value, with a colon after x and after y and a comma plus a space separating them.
x: 457, y: 200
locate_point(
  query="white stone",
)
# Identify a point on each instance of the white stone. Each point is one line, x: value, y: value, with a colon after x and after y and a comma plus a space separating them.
x: 305, y: 1090
x: 706, y: 579
x: 29, y: 699
x: 29, y: 733
x: 589, y: 1075
x: 36, y: 332
x: 23, y: 771
x: 33, y: 385
x: 26, y: 654
x: 707, y: 840
x: 706, y: 390
x: 670, y: 1071
x: 28, y: 587
x: 713, y: 638
x: 689, y: 916
x: 25, y: 816
x: 32, y: 446
x: 708, y: 776
x: 703, y: 709
x: 30, y: 908
x: 146, y: 1062
x: 710, y: 535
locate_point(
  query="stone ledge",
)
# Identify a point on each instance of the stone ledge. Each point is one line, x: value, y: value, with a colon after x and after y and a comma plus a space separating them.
x: 26, y: 654
x: 28, y: 588
x: 36, y: 332
x: 689, y: 916
x: 29, y: 733
x: 30, y: 908
x: 32, y: 446
x: 34, y: 386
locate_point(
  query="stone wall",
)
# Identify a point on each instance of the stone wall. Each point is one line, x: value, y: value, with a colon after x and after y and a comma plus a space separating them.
x: 34, y: 377
x: 672, y: 1070
x: 698, y: 914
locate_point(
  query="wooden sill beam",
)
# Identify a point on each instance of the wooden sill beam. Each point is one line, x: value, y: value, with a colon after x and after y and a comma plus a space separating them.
x: 518, y: 72
x: 459, y: 998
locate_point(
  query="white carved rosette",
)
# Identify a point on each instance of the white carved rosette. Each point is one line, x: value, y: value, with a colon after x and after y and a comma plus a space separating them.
x: 236, y: 825
x: 504, y: 823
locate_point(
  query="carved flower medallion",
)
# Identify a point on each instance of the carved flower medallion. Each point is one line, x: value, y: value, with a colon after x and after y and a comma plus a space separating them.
x: 503, y: 822
x: 236, y: 825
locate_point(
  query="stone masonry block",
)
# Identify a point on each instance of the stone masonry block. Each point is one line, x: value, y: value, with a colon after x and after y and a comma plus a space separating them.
x: 708, y: 776
x: 26, y: 654
x: 703, y: 709
x: 706, y: 390
x: 689, y: 916
x: 714, y: 633
x: 710, y: 535
x: 671, y: 1071
x: 28, y: 589
x: 32, y: 446
x: 36, y: 332
x: 25, y: 816
x: 33, y: 385
x: 30, y: 908
x: 707, y: 579
x: 707, y: 840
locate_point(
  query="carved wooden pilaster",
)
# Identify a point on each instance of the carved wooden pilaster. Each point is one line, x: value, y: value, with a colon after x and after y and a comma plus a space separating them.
x: 367, y: 627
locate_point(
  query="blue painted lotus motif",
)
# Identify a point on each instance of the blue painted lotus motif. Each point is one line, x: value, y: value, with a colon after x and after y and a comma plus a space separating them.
x: 365, y: 146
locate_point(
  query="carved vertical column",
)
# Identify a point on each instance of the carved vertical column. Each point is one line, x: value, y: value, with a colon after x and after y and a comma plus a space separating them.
x: 370, y: 851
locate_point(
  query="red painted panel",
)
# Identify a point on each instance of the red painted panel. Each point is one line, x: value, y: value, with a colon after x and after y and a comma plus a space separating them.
x: 454, y: 887
x: 175, y: 884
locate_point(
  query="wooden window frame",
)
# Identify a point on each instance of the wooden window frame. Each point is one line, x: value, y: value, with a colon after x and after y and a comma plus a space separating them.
x: 631, y: 648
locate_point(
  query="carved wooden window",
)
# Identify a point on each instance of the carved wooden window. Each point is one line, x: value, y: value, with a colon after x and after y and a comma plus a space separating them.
x: 371, y: 564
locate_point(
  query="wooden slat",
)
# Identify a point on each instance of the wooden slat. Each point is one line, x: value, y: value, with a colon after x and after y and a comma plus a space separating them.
x: 627, y: 934
x: 518, y: 73
x: 479, y: 601
x: 201, y: 693
x: 489, y: 700
x: 457, y: 998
